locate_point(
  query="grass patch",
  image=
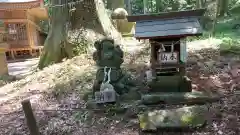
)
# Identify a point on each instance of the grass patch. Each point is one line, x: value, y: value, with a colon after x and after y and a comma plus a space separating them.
x: 224, y: 31
x: 229, y: 36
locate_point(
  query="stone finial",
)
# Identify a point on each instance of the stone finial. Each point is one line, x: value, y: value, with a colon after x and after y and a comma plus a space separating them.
x: 119, y: 13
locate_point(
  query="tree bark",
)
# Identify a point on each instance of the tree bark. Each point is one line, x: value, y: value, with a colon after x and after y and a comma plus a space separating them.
x: 215, y: 18
x: 55, y: 46
x: 129, y: 7
x: 145, y: 6
x: 159, y: 6
x: 90, y: 15
x: 223, y: 7
x: 200, y: 3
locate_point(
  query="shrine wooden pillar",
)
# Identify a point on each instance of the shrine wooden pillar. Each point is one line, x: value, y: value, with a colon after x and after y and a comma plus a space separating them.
x: 153, y: 60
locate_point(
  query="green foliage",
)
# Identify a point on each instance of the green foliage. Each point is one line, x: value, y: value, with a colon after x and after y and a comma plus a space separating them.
x: 44, y: 25
x: 230, y: 45
x: 224, y: 31
x: 235, y: 9
x: 84, y: 116
x: 80, y: 47
x: 155, y: 6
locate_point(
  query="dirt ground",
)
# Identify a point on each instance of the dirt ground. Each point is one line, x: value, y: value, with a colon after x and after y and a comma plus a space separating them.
x: 60, y: 87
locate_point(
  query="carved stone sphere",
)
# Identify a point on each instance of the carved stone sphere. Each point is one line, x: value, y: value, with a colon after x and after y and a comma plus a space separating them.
x: 119, y: 13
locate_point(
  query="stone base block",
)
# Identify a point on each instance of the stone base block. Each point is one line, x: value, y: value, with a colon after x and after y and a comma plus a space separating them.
x: 185, y: 117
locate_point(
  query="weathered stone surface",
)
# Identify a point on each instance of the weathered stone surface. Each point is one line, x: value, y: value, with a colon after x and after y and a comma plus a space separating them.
x: 185, y: 85
x: 133, y: 94
x: 109, y: 56
x: 194, y: 97
x: 186, y: 117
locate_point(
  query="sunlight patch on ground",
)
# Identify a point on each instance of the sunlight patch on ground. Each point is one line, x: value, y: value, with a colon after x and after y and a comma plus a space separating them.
x: 41, y: 82
x: 210, y: 43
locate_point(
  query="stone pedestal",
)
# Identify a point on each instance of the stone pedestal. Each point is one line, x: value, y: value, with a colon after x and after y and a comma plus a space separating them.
x: 174, y: 83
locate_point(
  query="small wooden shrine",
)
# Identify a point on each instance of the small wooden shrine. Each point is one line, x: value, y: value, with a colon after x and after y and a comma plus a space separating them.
x: 20, y: 18
x: 168, y: 82
x: 167, y: 34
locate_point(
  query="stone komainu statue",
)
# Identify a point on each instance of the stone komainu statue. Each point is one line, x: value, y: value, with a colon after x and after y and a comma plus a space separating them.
x: 108, y: 55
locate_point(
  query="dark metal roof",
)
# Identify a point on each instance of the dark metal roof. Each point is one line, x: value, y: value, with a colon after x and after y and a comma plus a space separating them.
x: 166, y: 15
x: 169, y: 27
x: 173, y: 24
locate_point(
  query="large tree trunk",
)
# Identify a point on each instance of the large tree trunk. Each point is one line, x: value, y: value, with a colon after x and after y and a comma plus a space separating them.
x: 91, y: 16
x: 56, y: 47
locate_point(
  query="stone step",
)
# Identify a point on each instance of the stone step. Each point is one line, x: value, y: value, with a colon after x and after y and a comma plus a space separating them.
x: 190, y: 117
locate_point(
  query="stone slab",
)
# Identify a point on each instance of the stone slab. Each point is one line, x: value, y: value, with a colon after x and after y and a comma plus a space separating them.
x: 185, y: 117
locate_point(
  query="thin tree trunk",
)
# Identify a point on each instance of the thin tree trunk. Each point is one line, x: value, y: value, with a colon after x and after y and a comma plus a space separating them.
x: 223, y: 7
x: 129, y: 7
x: 200, y: 3
x: 216, y: 17
x: 145, y: 6
x: 218, y: 6
x: 117, y: 4
x: 159, y: 6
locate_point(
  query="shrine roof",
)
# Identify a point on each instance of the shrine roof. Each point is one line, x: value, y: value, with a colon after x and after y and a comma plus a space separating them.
x: 19, y: 4
x: 172, y: 24
x: 166, y: 15
x: 16, y: 1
